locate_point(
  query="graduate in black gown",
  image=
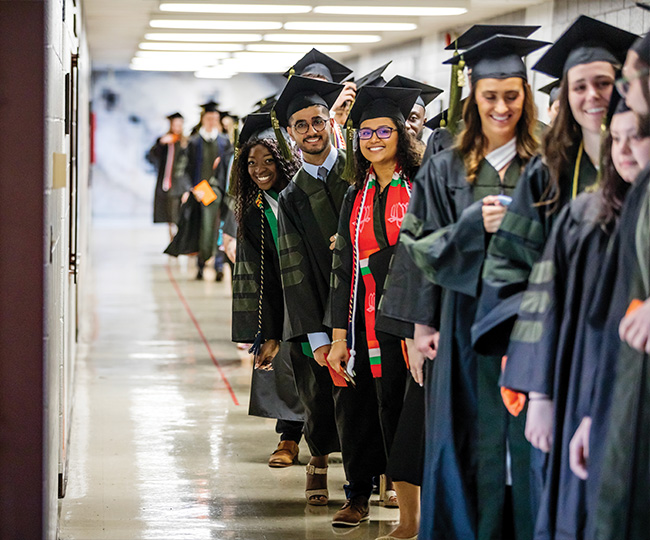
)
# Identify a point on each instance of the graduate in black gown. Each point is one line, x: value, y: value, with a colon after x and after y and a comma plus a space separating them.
x: 309, y: 209
x: 474, y: 450
x: 562, y: 364
x: 260, y: 174
x: 168, y: 155
x: 611, y: 446
x: 371, y: 216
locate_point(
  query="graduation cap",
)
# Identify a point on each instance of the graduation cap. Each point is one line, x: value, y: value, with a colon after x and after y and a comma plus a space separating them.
x: 380, y: 101
x: 498, y: 57
x: 210, y: 106
x: 643, y: 6
x: 481, y: 32
x: 256, y: 126
x: 642, y: 47
x: 265, y: 104
x: 427, y: 92
x: 315, y: 63
x: 441, y: 119
x: 302, y: 92
x: 373, y: 78
x: 552, y: 90
x: 586, y: 40
x: 174, y: 115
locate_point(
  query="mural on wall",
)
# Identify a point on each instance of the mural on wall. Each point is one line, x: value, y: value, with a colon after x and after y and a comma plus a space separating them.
x: 130, y: 110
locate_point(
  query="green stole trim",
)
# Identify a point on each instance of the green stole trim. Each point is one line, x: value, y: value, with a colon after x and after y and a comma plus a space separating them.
x: 270, y: 216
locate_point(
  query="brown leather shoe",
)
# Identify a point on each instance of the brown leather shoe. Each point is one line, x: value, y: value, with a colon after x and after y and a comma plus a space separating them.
x: 285, y: 455
x: 353, y: 512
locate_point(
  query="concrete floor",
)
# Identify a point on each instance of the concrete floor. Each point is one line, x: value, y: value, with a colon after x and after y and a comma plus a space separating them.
x: 162, y: 446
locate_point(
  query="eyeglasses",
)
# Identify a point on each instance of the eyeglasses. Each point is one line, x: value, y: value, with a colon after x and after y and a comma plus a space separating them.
x: 317, y: 123
x: 383, y: 132
x: 623, y: 84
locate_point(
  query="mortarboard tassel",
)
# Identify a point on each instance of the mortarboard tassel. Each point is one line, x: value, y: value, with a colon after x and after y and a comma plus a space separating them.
x: 455, y: 93
x: 348, y: 172
x: 282, y: 142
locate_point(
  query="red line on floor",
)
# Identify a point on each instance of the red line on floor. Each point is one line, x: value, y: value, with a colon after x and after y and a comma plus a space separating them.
x: 181, y: 296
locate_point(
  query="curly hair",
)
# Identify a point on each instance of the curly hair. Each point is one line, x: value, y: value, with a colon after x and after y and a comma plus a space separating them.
x: 472, y: 143
x: 245, y: 191
x: 408, y: 155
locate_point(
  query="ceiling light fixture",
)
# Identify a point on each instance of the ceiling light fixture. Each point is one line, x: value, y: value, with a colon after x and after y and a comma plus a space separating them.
x: 297, y: 49
x: 235, y: 38
x: 319, y: 26
x: 235, y: 8
x: 182, y: 55
x: 217, y: 72
x: 393, y: 11
x: 322, y: 38
x: 215, y: 25
x: 200, y: 47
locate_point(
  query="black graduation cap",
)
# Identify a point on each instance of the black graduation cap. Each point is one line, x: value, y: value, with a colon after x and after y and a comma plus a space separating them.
x: 210, y: 106
x: 552, y: 90
x: 317, y: 63
x: 498, y: 57
x: 427, y: 92
x: 441, y: 119
x: 379, y: 101
x: 174, y: 115
x: 302, y: 92
x: 642, y: 47
x: 586, y: 40
x: 255, y: 125
x: 265, y: 104
x: 643, y: 6
x: 481, y: 32
x: 373, y: 78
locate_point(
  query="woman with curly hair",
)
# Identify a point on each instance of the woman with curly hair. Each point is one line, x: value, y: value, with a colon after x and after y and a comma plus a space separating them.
x: 260, y: 174
x: 386, y: 158
x: 475, y: 482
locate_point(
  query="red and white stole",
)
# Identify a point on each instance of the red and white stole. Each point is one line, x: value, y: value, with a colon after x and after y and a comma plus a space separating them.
x: 362, y: 233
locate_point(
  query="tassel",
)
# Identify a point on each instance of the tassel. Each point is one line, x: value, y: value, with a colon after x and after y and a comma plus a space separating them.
x: 282, y: 143
x: 455, y: 92
x: 292, y: 72
x: 348, y: 172
x: 235, y: 137
x: 256, y: 347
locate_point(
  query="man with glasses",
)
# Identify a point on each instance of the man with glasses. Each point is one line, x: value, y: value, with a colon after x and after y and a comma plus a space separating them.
x: 308, y: 217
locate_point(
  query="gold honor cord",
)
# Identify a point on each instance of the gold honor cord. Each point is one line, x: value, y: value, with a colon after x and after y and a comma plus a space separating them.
x: 576, y: 170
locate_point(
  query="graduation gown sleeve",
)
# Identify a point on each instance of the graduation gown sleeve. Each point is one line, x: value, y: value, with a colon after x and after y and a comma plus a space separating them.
x: 247, y: 283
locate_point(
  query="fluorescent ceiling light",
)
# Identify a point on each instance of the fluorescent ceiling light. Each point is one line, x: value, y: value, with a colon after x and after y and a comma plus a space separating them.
x: 214, y: 73
x: 349, y: 26
x: 235, y: 8
x: 297, y: 49
x: 184, y: 55
x: 215, y: 25
x: 207, y: 47
x: 393, y: 11
x: 236, y: 38
x: 322, y: 38
x: 255, y: 66
x: 266, y: 56
x: 160, y: 66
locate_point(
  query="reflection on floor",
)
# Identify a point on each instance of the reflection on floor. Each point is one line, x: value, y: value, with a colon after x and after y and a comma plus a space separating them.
x: 161, y: 447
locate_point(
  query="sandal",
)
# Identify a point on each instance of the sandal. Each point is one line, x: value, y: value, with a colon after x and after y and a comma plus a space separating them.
x: 317, y: 497
x: 387, y: 497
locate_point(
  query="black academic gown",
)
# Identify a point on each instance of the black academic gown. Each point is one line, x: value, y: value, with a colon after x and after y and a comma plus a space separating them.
x: 166, y: 204
x: 553, y: 351
x: 464, y: 484
x: 515, y: 247
x: 273, y: 393
x: 308, y: 217
x: 399, y: 411
x: 619, y: 460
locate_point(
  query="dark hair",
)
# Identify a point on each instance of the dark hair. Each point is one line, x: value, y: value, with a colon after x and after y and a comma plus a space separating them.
x: 613, y: 188
x: 408, y: 156
x: 560, y: 147
x: 644, y: 119
x: 245, y: 191
x: 472, y: 142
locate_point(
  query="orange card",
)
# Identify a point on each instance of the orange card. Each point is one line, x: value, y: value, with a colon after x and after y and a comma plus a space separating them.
x: 204, y: 193
x: 634, y: 305
x: 337, y: 378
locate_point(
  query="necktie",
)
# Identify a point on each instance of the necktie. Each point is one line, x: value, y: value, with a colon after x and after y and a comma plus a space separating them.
x: 322, y: 174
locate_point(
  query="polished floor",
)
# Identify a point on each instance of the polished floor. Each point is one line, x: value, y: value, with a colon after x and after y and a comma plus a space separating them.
x: 162, y: 446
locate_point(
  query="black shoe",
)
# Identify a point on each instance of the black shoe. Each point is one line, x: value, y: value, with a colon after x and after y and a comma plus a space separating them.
x: 219, y: 275
x: 199, y: 274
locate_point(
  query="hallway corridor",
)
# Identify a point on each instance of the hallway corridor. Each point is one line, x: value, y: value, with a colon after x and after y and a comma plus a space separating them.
x: 162, y: 446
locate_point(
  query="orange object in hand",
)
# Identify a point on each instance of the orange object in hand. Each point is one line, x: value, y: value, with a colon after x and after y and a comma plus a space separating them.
x: 634, y: 305
x: 204, y: 193
x: 514, y: 401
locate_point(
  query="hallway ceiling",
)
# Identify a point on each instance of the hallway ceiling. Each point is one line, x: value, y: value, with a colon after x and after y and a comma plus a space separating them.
x: 116, y: 30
